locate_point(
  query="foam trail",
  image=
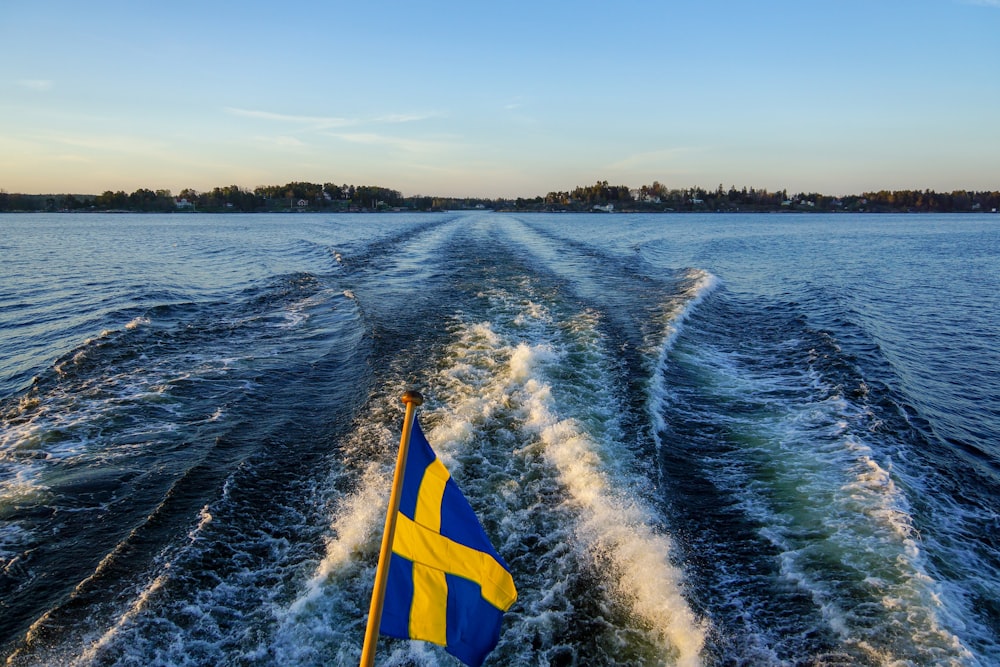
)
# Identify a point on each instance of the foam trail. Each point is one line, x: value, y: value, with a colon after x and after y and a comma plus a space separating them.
x: 496, y: 420
x: 615, y: 526
x: 495, y: 379
x: 673, y: 317
x: 355, y: 527
x: 842, y: 527
x: 90, y: 654
x: 325, y: 622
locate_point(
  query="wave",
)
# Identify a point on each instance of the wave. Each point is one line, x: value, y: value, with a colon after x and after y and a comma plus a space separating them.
x: 523, y: 414
x: 797, y: 455
x: 699, y: 285
x: 676, y: 472
x: 131, y: 415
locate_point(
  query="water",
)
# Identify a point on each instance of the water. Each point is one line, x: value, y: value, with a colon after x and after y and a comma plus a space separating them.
x: 717, y: 440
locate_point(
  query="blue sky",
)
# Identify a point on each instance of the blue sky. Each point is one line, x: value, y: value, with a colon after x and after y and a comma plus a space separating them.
x: 500, y: 99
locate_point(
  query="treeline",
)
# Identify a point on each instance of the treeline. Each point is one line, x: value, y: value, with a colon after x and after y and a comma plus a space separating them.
x: 231, y: 198
x: 304, y: 196
x: 657, y: 197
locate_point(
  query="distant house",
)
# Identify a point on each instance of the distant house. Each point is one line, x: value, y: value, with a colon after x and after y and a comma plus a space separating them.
x: 302, y: 203
x: 183, y: 204
x: 639, y: 196
x: 607, y: 208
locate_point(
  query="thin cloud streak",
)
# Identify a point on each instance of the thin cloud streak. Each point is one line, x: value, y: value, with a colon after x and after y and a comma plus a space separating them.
x: 320, y: 122
x: 403, y: 118
x: 325, y: 122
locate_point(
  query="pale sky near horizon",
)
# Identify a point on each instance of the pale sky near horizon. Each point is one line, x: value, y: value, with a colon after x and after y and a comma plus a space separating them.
x: 500, y: 99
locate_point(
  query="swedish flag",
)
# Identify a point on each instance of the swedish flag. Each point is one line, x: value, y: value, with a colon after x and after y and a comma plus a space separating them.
x: 446, y: 582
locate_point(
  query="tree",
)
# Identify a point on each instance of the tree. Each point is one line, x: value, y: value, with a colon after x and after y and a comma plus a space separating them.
x: 71, y: 203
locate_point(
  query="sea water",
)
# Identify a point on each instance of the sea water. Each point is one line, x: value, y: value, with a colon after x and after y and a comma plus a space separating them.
x: 696, y: 439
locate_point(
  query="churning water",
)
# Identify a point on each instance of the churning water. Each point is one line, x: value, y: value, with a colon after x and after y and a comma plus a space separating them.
x: 697, y: 440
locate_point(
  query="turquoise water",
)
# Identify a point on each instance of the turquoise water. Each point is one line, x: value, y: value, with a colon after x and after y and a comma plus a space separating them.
x: 696, y: 439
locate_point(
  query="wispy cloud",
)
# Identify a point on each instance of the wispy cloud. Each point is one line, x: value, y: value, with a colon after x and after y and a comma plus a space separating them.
x: 403, y: 118
x: 38, y: 85
x: 325, y: 122
x: 982, y: 3
x: 316, y: 122
x: 401, y: 143
x: 295, y: 128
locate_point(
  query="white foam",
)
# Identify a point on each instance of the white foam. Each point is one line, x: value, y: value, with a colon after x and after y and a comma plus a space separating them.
x: 617, y: 527
x: 20, y: 485
x: 356, y: 526
x: 328, y: 614
x: 90, y: 654
x: 500, y: 409
x: 204, y: 518
x: 675, y: 314
x: 611, y: 525
x: 830, y: 505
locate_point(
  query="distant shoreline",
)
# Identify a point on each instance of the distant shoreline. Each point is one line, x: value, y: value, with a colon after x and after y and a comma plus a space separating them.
x: 510, y: 210
x: 301, y: 197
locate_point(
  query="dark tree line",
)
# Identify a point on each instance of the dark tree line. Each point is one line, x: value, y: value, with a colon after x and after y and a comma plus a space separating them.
x: 291, y: 196
x: 930, y: 201
x: 657, y: 197
x: 304, y: 196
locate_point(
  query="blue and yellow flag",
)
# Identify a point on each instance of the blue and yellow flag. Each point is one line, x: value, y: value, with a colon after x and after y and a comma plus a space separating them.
x: 447, y: 584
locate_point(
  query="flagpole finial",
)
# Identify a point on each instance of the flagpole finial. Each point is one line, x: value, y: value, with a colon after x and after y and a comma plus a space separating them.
x: 413, y: 396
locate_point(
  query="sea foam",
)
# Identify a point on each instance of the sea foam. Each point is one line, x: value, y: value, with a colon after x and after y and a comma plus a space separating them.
x: 506, y: 383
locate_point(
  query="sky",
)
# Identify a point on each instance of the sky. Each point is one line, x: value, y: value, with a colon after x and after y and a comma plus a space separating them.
x: 500, y: 99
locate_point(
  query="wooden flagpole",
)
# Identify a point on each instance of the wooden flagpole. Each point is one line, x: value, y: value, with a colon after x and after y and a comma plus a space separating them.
x: 412, y: 399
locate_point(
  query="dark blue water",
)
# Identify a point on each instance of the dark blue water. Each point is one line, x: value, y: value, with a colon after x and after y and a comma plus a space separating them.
x: 719, y: 440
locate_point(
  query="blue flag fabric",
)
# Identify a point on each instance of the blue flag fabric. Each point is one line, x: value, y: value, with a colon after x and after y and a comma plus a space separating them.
x: 446, y: 583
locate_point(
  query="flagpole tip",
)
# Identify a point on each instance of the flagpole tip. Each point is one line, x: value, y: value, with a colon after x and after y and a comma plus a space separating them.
x: 413, y: 396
